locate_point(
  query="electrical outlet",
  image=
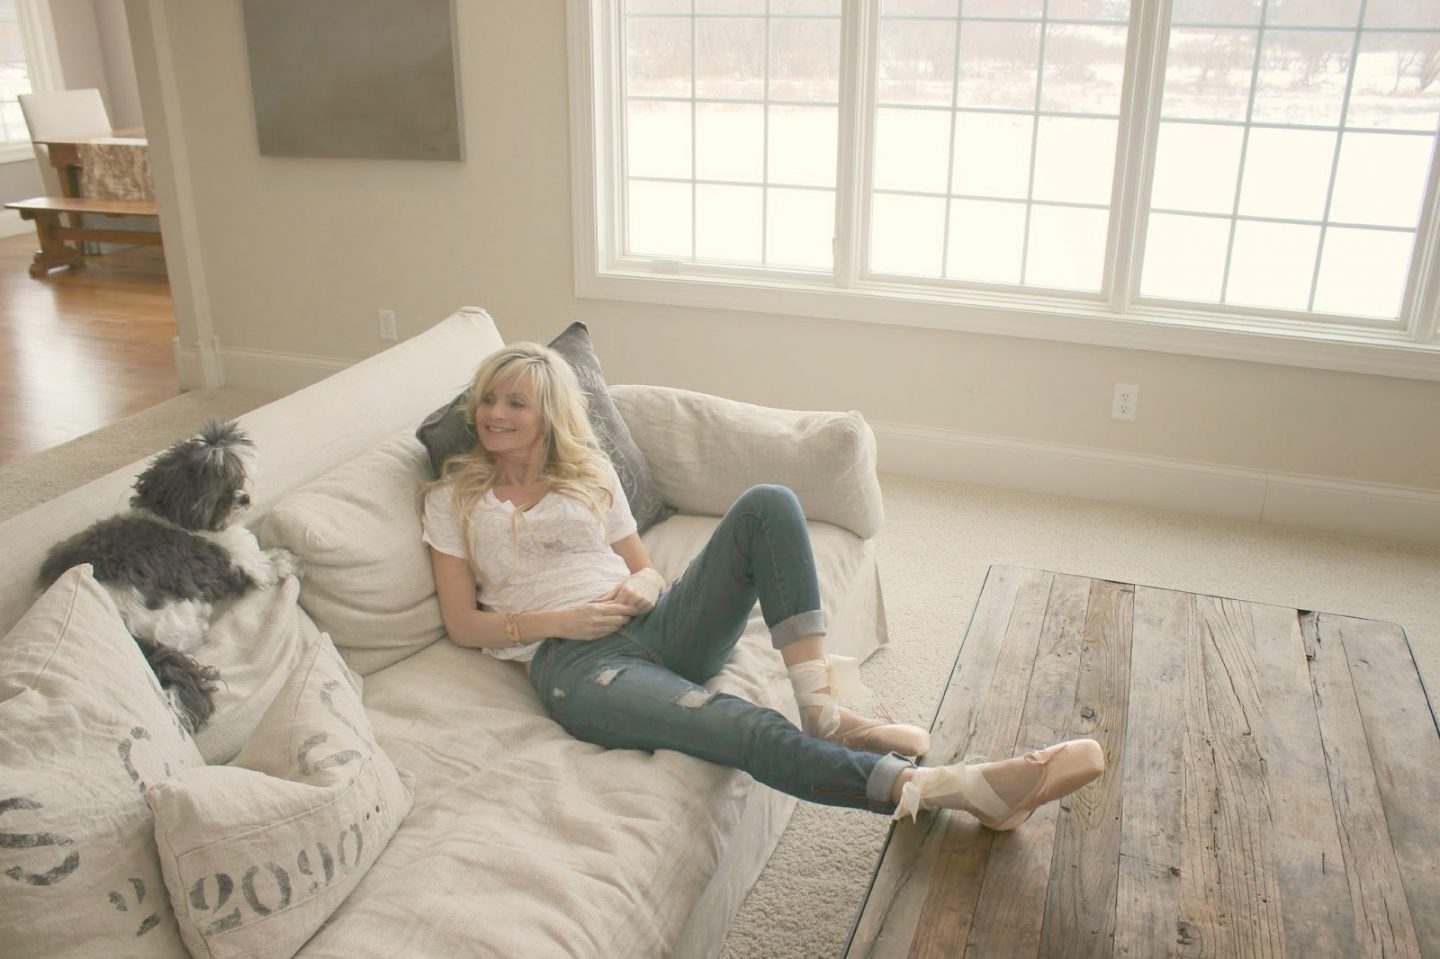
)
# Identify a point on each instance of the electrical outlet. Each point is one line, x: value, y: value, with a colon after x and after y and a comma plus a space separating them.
x: 387, y: 326
x: 1127, y: 398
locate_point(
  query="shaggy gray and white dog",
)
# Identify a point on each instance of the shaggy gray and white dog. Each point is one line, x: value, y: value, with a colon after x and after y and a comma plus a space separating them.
x: 178, y: 551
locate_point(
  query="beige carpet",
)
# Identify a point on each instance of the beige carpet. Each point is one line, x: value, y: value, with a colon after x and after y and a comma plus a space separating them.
x: 41, y: 477
x: 806, y: 900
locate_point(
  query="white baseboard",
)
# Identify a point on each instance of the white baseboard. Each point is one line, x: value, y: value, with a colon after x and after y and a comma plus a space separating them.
x: 1404, y: 514
x: 12, y: 225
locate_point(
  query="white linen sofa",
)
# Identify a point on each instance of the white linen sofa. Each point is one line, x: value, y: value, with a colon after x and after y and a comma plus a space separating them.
x: 519, y: 840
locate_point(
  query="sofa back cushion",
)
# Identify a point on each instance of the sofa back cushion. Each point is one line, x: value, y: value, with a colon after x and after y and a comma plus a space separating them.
x: 365, y: 574
x: 84, y: 731
x: 704, y: 451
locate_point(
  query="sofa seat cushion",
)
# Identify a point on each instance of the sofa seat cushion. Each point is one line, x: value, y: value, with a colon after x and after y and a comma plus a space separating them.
x: 84, y: 731
x: 583, y: 851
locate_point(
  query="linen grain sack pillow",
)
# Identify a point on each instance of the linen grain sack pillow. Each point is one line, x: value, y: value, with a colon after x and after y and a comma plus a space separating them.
x: 259, y: 853
x: 84, y: 731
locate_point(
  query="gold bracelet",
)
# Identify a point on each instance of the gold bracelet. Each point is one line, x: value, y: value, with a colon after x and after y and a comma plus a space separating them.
x: 512, y: 628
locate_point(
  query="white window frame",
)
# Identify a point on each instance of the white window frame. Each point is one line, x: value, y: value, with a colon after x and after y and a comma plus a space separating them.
x: 42, y: 61
x: 1407, y: 348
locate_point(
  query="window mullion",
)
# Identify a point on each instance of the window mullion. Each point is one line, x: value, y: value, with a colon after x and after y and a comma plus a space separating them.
x: 858, y: 24
x: 1135, y: 153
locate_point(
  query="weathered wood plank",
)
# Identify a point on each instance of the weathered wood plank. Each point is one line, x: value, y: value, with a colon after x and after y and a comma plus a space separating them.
x: 1080, y: 901
x: 1154, y: 775
x: 1229, y: 890
x: 1010, y: 913
x: 1405, y: 749
x: 1383, y: 924
x: 963, y: 859
x: 901, y: 884
x: 1314, y: 892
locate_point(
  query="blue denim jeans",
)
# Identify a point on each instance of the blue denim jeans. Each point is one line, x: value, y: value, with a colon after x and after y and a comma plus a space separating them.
x: 639, y: 688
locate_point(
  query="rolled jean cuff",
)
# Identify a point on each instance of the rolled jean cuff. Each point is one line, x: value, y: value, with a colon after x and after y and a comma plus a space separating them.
x: 808, y: 623
x: 880, y: 787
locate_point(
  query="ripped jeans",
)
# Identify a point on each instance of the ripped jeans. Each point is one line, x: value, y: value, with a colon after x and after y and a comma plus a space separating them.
x: 639, y: 688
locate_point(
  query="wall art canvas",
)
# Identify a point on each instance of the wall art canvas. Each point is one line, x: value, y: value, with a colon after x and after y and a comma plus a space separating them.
x: 372, y: 79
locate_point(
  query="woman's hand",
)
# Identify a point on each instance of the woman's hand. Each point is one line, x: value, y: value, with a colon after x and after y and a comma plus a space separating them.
x: 591, y: 621
x: 640, y: 590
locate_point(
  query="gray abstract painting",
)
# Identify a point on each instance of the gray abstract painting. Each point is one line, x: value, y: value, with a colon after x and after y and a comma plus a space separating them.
x: 355, y: 78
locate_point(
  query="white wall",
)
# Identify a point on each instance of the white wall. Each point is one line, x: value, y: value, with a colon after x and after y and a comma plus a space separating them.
x: 300, y: 253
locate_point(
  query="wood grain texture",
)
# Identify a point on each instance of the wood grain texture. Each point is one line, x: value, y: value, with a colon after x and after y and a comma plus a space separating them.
x: 1270, y: 783
x: 80, y: 349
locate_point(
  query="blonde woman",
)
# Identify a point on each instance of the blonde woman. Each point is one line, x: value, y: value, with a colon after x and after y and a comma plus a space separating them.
x: 537, y: 560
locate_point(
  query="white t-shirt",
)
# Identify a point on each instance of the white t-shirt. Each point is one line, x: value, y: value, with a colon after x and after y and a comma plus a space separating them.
x: 554, y: 555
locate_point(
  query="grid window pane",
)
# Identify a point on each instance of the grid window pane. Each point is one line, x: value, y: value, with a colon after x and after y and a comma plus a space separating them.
x: 805, y: 60
x: 729, y: 223
x: 1302, y: 77
x: 729, y: 142
x: 1272, y: 265
x: 1380, y: 179
x: 1362, y: 272
x: 916, y: 61
x: 987, y: 241
x: 827, y: 8
x: 657, y: 56
x: 1185, y: 257
x: 920, y: 8
x: 658, y: 218
x: 1083, y: 68
x: 1217, y: 11
x: 910, y: 150
x: 907, y: 234
x: 1004, y: 8
x: 803, y: 144
x: 657, y: 138
x: 992, y: 154
x: 800, y: 228
x: 1196, y: 167
x: 730, y: 57
x: 1396, y: 84
x: 1074, y: 160
x: 727, y: 147
x: 657, y: 6
x: 1208, y: 74
x: 729, y: 6
x: 1329, y: 13
x: 1287, y: 173
x: 1089, y: 10
x: 1066, y: 248
x: 999, y: 64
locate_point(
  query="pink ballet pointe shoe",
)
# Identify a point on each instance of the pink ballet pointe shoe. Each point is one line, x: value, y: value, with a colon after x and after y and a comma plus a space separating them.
x: 1003, y: 795
x: 822, y: 684
x: 883, y: 735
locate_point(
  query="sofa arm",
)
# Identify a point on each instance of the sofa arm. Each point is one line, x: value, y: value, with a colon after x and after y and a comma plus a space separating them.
x: 704, y: 451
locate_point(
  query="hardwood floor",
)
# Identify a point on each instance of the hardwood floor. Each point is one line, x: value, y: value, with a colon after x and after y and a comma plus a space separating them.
x: 80, y: 348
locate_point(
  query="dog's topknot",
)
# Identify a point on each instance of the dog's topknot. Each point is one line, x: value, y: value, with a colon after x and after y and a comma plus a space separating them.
x: 198, y: 483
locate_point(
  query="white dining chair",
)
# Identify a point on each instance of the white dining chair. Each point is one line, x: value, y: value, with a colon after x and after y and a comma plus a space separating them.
x: 61, y: 113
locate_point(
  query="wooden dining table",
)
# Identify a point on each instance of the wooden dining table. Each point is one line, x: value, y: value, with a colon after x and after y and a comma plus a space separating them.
x: 66, y: 155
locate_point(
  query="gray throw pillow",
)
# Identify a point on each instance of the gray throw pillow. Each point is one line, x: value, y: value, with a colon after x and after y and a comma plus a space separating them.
x: 447, y: 431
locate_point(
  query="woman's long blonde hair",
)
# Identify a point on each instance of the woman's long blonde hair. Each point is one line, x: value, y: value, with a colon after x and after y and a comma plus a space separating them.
x: 573, y: 462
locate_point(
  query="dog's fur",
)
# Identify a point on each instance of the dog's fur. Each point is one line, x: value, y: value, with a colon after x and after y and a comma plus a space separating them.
x: 179, y: 550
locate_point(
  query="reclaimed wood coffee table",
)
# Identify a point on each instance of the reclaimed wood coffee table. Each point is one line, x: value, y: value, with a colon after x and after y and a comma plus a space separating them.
x: 1272, y: 787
